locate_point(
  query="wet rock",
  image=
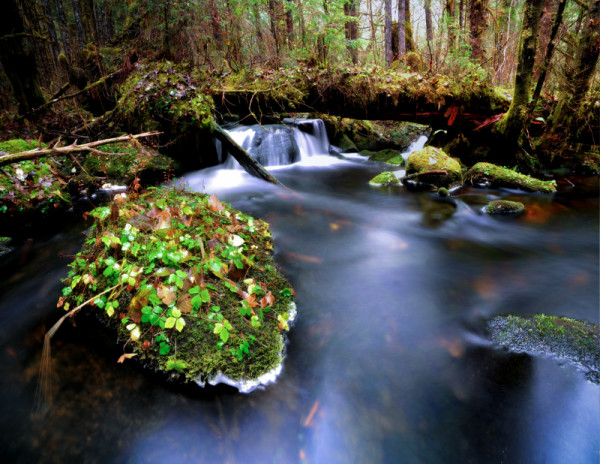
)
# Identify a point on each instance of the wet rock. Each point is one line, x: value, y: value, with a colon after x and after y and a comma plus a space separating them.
x: 388, y: 155
x: 566, y: 339
x: 346, y: 145
x: 5, y: 247
x: 432, y: 168
x: 385, y: 178
x: 504, y: 207
x: 490, y: 175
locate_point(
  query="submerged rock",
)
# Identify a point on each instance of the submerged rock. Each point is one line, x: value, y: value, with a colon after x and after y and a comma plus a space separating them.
x: 571, y: 340
x: 388, y: 155
x: 490, y: 175
x: 385, y: 178
x: 431, y: 167
x: 188, y: 284
x: 504, y: 207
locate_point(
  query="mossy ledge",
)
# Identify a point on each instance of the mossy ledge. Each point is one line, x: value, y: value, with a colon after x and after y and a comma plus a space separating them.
x: 487, y: 174
x: 188, y: 283
x: 575, y: 341
x: 432, y: 167
x: 386, y: 178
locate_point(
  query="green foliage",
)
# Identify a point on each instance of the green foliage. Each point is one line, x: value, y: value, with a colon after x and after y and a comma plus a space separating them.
x: 165, y: 272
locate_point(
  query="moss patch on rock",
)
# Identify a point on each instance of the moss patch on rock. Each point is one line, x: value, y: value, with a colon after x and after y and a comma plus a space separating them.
x: 388, y: 155
x: 433, y: 167
x: 504, y: 207
x: 488, y: 174
x: 385, y: 178
x: 575, y: 341
x: 188, y: 283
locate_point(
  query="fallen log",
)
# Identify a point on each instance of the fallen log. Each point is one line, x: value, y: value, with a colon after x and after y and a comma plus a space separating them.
x: 74, y: 147
x: 250, y: 165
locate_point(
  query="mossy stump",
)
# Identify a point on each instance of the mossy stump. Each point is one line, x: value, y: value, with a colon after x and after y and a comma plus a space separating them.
x: 490, y: 175
x: 188, y: 283
x: 575, y: 341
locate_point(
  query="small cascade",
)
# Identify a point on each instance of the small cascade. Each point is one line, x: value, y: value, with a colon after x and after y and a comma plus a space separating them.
x: 414, y: 146
x: 311, y: 136
x: 279, y: 144
x: 270, y: 144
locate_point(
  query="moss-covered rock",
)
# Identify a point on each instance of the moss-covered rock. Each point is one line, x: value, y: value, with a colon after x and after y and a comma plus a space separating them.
x: 388, y: 155
x: 188, y: 283
x: 433, y: 168
x: 488, y: 174
x: 575, y: 341
x: 504, y: 207
x: 385, y: 178
x: 346, y: 145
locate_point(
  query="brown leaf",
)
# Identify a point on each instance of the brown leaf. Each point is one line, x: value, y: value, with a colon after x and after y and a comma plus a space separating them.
x: 166, y: 295
x: 184, y: 303
x: 140, y: 300
x: 114, y: 213
x: 125, y: 356
x: 267, y: 300
x: 251, y: 299
x: 237, y: 274
x: 215, y: 204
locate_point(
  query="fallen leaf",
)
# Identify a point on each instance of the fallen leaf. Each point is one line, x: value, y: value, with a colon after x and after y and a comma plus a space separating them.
x: 215, y: 204
x: 267, y: 300
x: 166, y: 295
x: 125, y: 356
x: 311, y: 414
x: 308, y: 259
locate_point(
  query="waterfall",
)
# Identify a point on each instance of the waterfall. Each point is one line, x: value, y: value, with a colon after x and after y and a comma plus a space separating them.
x: 414, y: 146
x: 280, y: 144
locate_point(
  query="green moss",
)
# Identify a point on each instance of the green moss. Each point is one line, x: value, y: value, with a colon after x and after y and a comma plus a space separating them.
x: 575, y: 341
x: 496, y: 176
x: 188, y: 282
x: 18, y: 145
x: 385, y: 178
x: 386, y: 156
x: 504, y: 207
x: 434, y: 167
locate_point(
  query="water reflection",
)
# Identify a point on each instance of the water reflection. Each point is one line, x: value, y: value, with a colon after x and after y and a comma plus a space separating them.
x: 385, y: 362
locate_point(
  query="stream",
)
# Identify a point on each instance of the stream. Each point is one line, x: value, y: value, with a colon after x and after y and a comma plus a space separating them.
x: 387, y: 361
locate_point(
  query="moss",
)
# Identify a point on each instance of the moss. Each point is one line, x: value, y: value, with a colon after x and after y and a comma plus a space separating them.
x: 188, y: 282
x: 385, y: 156
x: 385, y: 178
x: 504, y: 207
x: 433, y: 167
x: 496, y: 176
x: 575, y: 341
x: 346, y: 145
x: 18, y: 145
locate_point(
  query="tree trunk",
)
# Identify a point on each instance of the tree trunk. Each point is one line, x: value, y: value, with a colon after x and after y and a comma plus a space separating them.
x: 18, y: 60
x: 478, y: 24
x: 351, y: 28
x: 549, y: 51
x: 275, y: 26
x: 302, y: 24
x: 580, y: 76
x: 289, y: 23
x: 401, y: 30
x: 388, y: 32
x: 429, y: 32
x: 450, y: 15
x: 512, y: 124
x: 410, y: 41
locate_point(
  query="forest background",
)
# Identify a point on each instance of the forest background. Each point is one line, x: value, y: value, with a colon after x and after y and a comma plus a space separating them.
x: 62, y: 62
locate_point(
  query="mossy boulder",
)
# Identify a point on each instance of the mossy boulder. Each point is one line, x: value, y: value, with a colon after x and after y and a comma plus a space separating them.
x: 188, y: 284
x: 388, y: 155
x: 568, y: 339
x: 487, y: 174
x: 385, y: 178
x: 346, y: 145
x: 504, y: 207
x: 433, y: 168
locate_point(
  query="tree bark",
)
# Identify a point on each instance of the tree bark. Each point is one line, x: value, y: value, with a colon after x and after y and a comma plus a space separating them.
x: 512, y: 124
x: 549, y: 52
x: 429, y: 31
x: 401, y: 30
x: 18, y: 60
x: 388, y: 32
x: 478, y: 24
x: 351, y: 28
x: 580, y: 76
x: 410, y: 41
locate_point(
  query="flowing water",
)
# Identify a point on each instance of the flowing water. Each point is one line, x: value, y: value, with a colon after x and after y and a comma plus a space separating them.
x: 387, y: 361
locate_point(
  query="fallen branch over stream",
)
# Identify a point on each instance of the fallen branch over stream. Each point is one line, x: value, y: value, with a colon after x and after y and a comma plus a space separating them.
x: 250, y: 165
x: 74, y: 147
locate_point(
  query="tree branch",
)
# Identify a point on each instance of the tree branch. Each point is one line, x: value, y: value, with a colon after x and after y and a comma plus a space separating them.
x: 37, y: 152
